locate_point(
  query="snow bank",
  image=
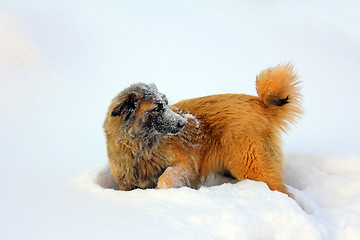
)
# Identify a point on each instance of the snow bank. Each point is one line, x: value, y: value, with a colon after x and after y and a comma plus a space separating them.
x: 329, y: 190
x: 327, y: 204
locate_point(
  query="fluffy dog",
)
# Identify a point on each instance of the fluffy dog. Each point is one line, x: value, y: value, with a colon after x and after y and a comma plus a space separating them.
x: 150, y: 144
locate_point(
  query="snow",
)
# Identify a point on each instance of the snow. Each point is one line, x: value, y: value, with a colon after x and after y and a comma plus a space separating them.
x: 61, y: 63
x: 326, y: 205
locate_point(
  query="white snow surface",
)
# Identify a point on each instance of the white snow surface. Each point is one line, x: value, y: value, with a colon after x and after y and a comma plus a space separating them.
x: 61, y: 63
x: 326, y: 205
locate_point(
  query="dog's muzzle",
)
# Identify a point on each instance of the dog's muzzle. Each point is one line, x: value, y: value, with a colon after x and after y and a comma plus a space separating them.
x: 170, y: 122
x: 179, y: 125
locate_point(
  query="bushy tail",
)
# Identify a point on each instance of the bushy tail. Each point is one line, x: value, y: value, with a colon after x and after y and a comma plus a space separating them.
x: 278, y: 88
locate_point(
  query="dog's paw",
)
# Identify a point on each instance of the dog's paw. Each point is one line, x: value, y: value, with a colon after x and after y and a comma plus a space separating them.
x: 165, y: 181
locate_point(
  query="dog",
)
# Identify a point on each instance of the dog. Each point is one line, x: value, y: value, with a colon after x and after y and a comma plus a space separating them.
x: 153, y: 145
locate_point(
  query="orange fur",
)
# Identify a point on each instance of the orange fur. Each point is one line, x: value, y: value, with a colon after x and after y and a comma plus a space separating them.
x: 234, y: 133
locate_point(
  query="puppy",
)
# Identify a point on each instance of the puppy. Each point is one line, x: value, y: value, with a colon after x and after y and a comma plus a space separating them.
x: 151, y: 144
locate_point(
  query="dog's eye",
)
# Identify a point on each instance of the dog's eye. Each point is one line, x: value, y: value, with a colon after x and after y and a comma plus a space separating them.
x: 159, y: 108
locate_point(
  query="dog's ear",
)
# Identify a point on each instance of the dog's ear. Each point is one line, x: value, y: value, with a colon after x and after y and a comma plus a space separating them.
x: 126, y: 109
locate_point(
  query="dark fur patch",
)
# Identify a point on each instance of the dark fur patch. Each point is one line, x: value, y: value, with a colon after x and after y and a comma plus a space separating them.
x: 126, y: 109
x: 278, y: 101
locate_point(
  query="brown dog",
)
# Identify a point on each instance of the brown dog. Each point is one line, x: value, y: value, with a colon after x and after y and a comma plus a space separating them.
x: 150, y: 144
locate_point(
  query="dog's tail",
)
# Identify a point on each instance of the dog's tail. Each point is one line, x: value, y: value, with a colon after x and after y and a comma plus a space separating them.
x: 278, y: 88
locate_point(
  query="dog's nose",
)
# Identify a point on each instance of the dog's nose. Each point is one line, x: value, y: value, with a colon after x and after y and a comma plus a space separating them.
x: 181, y: 124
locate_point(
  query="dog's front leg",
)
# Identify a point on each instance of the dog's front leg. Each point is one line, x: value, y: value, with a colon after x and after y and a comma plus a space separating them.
x: 182, y: 173
x: 178, y: 176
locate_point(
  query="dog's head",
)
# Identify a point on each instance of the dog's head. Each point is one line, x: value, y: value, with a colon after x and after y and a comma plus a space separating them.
x: 144, y: 112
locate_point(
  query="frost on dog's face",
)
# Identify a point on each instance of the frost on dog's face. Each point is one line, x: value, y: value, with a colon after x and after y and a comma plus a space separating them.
x: 164, y: 120
x: 145, y: 112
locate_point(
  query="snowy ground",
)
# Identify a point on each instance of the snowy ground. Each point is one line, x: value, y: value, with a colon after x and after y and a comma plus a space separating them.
x: 327, y: 205
x: 61, y: 62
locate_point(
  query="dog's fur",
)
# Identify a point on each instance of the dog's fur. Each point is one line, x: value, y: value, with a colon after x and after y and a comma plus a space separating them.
x: 152, y: 145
